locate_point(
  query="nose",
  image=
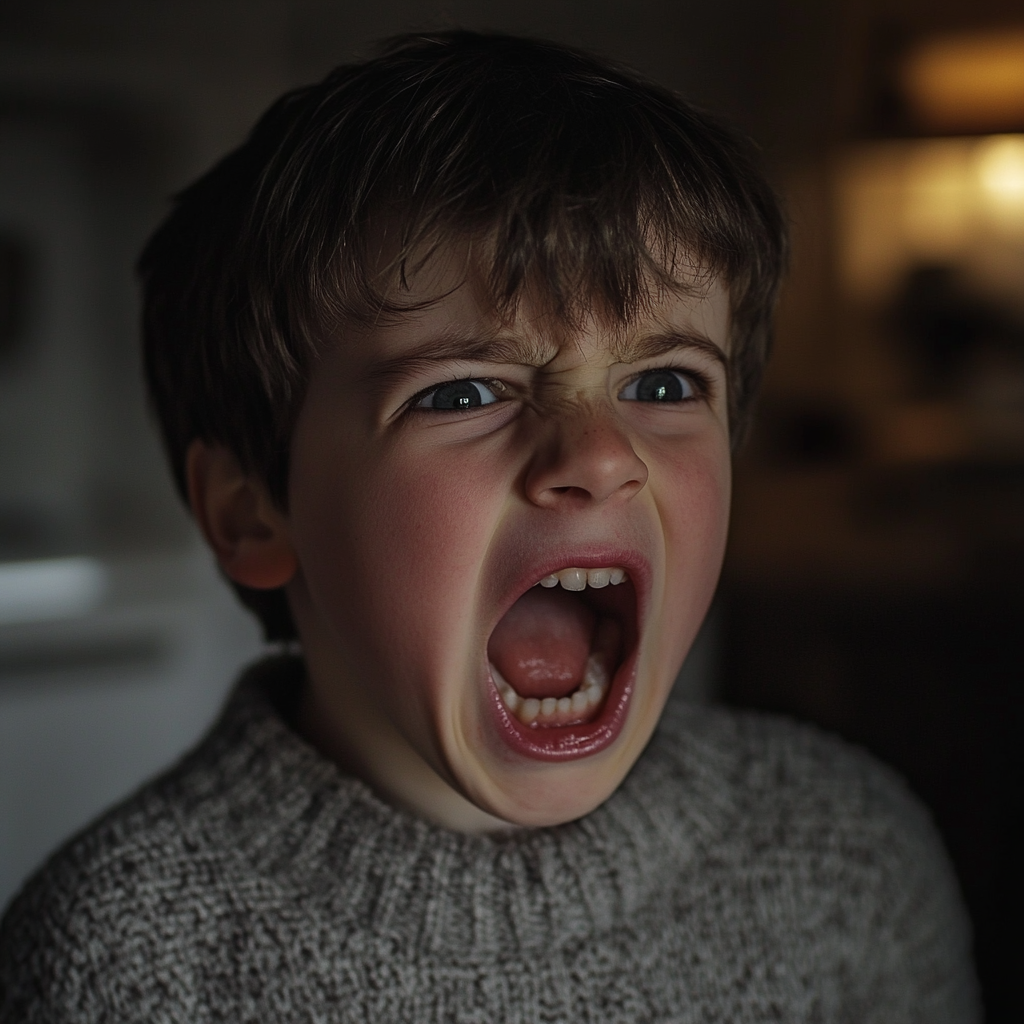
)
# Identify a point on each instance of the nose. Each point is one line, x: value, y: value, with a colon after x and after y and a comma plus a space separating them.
x: 584, y: 458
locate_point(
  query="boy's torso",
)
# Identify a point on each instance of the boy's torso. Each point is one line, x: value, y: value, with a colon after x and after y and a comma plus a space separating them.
x: 748, y: 869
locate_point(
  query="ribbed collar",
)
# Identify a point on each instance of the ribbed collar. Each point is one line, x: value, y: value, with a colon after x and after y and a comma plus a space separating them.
x: 327, y: 837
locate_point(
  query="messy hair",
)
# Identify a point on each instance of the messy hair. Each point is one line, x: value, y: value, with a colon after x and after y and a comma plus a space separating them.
x: 576, y: 174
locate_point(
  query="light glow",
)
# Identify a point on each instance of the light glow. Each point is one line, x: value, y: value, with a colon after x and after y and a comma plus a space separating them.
x: 954, y: 201
x: 1001, y: 168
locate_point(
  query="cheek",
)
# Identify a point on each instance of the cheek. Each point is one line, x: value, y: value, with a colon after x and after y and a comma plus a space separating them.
x: 430, y: 517
x: 399, y: 539
x: 694, y: 507
x: 692, y: 479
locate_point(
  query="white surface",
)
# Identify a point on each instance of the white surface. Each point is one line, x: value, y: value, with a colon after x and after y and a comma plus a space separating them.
x: 153, y: 671
x: 50, y: 588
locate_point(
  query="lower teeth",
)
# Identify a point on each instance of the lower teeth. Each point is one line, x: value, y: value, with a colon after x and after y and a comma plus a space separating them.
x: 560, y: 710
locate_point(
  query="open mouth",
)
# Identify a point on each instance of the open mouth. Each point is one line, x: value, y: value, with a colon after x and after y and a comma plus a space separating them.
x: 556, y: 659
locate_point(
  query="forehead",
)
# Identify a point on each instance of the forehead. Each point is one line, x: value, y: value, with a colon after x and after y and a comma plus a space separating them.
x: 449, y: 311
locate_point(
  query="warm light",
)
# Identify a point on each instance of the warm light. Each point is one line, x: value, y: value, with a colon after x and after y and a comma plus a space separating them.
x: 967, y: 82
x: 1001, y: 168
x: 952, y: 201
x: 938, y: 197
x: 1000, y: 173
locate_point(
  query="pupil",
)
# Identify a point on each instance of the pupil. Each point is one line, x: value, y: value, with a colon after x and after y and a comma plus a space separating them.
x: 461, y: 394
x: 660, y: 387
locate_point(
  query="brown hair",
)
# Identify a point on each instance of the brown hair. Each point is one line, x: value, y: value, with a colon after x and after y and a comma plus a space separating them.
x: 578, y: 172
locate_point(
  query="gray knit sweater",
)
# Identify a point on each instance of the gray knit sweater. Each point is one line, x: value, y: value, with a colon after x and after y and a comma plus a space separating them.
x: 748, y: 869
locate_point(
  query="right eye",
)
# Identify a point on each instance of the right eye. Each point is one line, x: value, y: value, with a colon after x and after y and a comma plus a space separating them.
x: 456, y: 396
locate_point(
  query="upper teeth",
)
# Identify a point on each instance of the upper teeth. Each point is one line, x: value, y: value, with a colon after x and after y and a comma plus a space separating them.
x: 580, y: 579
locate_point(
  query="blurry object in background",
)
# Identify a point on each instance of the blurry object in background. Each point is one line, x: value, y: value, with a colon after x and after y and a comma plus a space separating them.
x: 951, y: 202
x: 923, y: 82
x: 931, y: 258
x: 1001, y: 172
x: 80, y: 469
x: 946, y: 326
x: 48, y: 402
x: 920, y: 432
x: 967, y: 351
x: 53, y: 588
x: 996, y: 404
x: 967, y: 82
x: 15, y: 283
x: 808, y: 433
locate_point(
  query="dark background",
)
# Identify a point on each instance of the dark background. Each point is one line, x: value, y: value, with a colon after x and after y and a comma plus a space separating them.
x: 873, y: 582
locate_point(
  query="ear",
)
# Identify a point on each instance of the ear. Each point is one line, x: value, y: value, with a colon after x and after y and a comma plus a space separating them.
x: 243, y: 526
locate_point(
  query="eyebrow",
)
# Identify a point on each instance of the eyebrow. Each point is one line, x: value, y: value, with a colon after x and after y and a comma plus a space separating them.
x: 650, y: 346
x: 500, y: 348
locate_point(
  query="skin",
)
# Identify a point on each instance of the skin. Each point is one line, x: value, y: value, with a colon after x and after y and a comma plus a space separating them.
x: 408, y: 530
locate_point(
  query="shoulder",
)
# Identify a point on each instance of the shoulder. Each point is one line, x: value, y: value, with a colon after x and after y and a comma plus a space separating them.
x: 104, y: 911
x: 822, y: 828
x: 70, y: 920
x: 109, y: 926
x: 777, y: 770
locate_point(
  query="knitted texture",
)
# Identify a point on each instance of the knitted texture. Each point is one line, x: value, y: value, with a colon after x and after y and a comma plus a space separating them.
x: 748, y: 869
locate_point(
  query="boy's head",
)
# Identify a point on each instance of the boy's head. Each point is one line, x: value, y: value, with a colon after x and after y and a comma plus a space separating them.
x: 455, y: 333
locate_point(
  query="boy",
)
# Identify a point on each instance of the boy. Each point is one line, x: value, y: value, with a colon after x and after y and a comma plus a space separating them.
x: 448, y: 358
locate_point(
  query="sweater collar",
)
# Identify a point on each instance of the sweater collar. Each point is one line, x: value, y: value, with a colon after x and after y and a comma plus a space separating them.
x: 329, y: 841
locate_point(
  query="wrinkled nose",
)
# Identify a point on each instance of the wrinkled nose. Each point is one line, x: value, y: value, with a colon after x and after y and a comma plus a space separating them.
x: 584, y: 458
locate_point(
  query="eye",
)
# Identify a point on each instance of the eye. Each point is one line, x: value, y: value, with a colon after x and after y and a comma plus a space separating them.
x: 659, y: 386
x: 456, y: 395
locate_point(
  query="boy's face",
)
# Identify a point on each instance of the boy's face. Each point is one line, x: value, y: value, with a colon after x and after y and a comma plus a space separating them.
x: 447, y: 473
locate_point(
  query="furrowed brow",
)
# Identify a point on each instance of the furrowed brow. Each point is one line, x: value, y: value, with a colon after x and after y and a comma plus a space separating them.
x: 650, y: 346
x: 448, y: 349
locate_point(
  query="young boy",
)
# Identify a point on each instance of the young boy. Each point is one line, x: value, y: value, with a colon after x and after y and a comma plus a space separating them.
x: 448, y: 357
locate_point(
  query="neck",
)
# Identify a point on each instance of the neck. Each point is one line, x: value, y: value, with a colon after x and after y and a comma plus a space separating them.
x: 391, y: 768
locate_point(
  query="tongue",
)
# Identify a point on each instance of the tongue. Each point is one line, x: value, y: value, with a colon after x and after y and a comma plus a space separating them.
x: 542, y: 643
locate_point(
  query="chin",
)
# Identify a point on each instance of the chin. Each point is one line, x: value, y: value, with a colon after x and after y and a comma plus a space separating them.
x: 541, y: 792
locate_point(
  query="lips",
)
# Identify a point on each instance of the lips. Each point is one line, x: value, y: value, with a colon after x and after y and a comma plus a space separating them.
x: 562, y: 656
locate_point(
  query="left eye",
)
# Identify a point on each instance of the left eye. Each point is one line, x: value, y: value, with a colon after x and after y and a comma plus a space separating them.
x: 458, y: 395
x: 659, y: 386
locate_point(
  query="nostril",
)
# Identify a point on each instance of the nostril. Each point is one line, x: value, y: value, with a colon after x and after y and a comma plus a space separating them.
x: 562, y: 495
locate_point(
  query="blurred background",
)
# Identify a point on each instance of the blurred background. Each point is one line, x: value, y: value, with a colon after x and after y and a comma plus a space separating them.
x: 873, y: 583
